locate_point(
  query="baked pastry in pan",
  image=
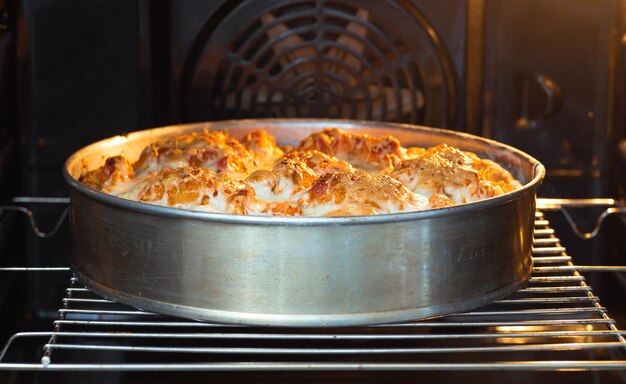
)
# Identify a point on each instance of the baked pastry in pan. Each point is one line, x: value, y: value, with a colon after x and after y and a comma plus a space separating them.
x: 330, y: 173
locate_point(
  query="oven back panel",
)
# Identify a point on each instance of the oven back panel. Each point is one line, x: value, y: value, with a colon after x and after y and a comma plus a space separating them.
x: 553, y: 89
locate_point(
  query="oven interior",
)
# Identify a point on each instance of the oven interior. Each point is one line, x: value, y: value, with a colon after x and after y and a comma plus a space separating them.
x: 542, y: 77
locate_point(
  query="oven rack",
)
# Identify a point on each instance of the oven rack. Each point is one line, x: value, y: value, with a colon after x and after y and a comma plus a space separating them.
x: 611, y: 207
x: 555, y: 323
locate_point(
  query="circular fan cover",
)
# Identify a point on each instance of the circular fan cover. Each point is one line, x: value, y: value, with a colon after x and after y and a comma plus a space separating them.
x: 374, y: 60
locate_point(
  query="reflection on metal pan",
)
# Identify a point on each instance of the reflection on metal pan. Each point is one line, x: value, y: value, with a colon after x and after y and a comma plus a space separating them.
x: 303, y: 271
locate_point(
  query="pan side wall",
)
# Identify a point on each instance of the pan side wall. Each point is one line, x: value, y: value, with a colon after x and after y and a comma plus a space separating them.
x: 302, y: 274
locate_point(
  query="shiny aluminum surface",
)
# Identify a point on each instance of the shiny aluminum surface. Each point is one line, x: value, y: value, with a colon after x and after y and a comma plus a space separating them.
x: 294, y: 271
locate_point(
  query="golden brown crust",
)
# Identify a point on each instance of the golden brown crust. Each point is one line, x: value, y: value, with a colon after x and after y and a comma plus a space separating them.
x: 318, y: 162
x: 361, y: 150
x: 496, y: 175
x: 263, y: 144
x: 447, y: 171
x: 191, y: 186
x: 359, y: 193
x: 215, y: 150
x: 115, y: 169
x: 330, y: 173
x: 440, y: 201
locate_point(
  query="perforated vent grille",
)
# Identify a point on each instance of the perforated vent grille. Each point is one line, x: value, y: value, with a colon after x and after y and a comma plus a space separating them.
x: 377, y: 60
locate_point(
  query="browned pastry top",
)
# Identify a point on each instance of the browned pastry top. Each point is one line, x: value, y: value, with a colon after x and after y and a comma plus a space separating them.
x: 330, y: 173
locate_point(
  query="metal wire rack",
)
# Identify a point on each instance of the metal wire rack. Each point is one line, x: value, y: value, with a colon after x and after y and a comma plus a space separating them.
x: 555, y: 323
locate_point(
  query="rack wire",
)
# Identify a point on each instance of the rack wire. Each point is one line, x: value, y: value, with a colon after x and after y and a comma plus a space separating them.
x: 555, y: 323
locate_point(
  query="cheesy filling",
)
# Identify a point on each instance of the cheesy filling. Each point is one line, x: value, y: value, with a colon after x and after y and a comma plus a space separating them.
x: 330, y: 173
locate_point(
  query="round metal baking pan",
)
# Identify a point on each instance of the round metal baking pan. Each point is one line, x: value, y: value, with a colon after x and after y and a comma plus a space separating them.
x: 303, y: 271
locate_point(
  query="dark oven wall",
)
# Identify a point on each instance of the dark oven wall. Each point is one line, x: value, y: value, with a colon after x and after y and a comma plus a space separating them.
x: 554, y: 87
x: 8, y: 160
x: 81, y: 69
x: 8, y: 128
